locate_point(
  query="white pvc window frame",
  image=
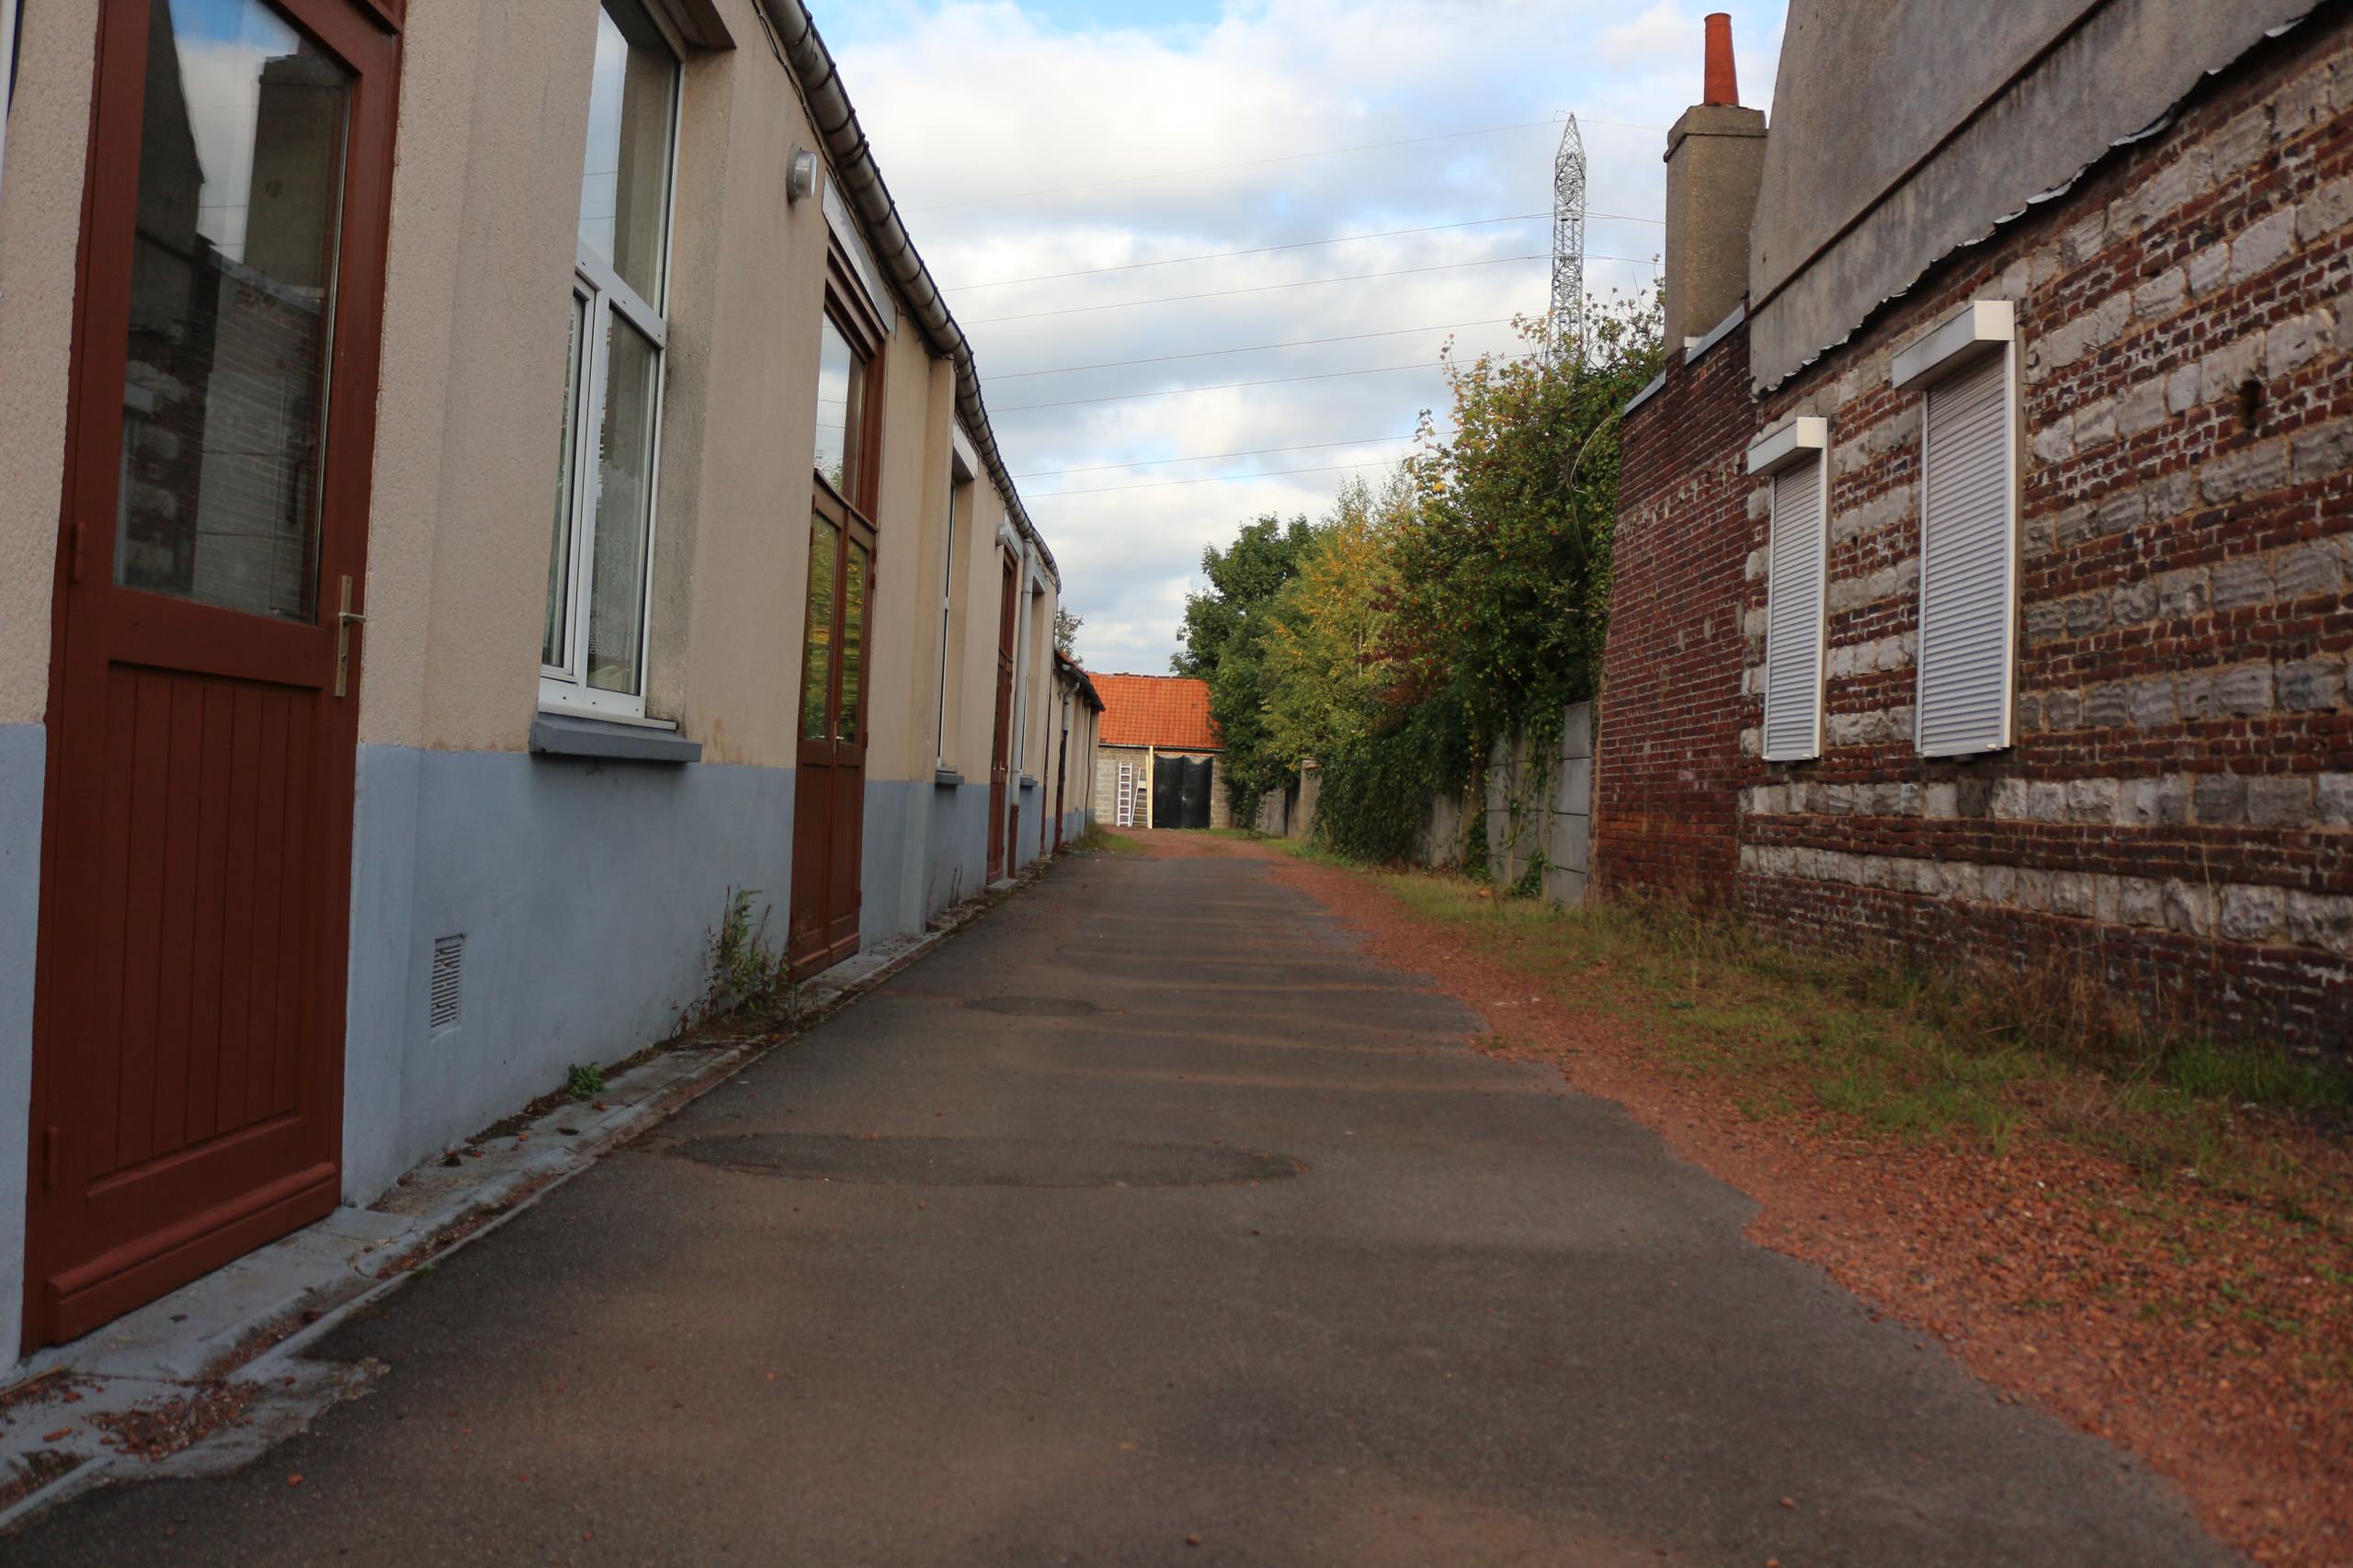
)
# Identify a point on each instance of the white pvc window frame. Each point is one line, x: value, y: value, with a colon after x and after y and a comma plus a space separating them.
x: 599, y: 292
x: 1958, y: 346
x: 962, y: 489
x: 1803, y: 545
x: 8, y: 9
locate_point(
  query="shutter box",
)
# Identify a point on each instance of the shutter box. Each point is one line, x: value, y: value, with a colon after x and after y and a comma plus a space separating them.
x: 1795, y: 456
x: 1968, y: 633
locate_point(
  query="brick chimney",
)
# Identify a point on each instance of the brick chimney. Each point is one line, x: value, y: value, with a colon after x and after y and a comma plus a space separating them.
x: 1715, y: 155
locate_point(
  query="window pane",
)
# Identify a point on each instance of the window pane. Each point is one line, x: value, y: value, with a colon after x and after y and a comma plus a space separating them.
x: 841, y: 409
x: 817, y: 660
x: 853, y: 639
x: 555, y: 644
x: 624, y: 507
x: 625, y: 179
x: 231, y: 310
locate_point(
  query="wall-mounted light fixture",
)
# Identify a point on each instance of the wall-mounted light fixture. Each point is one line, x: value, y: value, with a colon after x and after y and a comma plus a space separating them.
x: 800, y: 174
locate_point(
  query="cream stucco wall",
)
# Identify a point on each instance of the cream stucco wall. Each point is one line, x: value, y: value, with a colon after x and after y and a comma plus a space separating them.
x: 971, y: 705
x: 739, y: 421
x: 485, y: 205
x: 493, y: 120
x: 41, y: 221
x: 902, y: 642
x: 456, y: 832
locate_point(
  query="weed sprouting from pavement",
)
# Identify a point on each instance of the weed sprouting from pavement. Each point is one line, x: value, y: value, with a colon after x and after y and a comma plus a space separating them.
x: 745, y: 970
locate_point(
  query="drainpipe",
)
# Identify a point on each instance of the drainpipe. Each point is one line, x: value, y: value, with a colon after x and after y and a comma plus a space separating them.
x: 811, y: 65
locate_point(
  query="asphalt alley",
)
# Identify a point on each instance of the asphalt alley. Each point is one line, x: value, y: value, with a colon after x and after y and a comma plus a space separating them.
x: 1144, y: 1221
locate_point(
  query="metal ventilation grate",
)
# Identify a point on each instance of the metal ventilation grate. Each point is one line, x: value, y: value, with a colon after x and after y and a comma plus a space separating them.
x: 446, y: 985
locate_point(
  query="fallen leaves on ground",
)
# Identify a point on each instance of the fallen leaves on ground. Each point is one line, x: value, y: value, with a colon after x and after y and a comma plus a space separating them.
x: 2208, y: 1335
x: 162, y: 1427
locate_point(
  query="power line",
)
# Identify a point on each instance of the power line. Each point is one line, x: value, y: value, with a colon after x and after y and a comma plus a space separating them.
x: 1249, y: 348
x: 1261, y: 163
x: 1229, y: 386
x: 1269, y: 250
x: 1206, y: 479
x: 1207, y: 456
x: 1270, y: 288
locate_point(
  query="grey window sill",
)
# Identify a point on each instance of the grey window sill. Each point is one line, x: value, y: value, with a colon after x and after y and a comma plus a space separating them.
x: 568, y: 735
x: 1028, y: 783
x: 946, y: 778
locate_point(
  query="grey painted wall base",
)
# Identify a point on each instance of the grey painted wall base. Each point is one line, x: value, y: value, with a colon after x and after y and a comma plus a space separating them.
x: 956, y: 848
x: 926, y: 846
x: 895, y: 815
x: 586, y: 893
x: 1028, y: 818
x: 24, y: 763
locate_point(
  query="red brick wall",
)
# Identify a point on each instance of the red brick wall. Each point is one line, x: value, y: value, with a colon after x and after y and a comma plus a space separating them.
x: 2176, y: 814
x: 1667, y: 763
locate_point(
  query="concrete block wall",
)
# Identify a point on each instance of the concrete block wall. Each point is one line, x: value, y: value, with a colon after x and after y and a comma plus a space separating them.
x: 1545, y: 811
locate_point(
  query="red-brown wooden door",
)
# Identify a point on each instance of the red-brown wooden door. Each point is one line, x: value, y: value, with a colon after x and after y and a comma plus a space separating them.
x: 829, y: 796
x: 188, y: 1013
x: 1062, y: 772
x: 1001, y: 745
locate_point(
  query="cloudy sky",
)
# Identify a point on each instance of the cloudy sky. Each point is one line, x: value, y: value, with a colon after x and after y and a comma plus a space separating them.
x: 1026, y: 139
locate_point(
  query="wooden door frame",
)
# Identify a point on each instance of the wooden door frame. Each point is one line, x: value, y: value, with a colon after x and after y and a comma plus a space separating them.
x: 851, y: 515
x: 1004, y: 798
x: 365, y: 36
x: 1062, y: 770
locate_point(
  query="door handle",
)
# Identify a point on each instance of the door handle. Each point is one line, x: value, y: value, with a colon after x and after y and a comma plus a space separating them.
x: 345, y: 617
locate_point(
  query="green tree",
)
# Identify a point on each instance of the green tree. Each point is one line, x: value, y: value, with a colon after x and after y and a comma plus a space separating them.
x: 1505, y: 565
x: 1066, y: 626
x: 1326, y: 672
x: 1221, y: 642
x: 1490, y: 586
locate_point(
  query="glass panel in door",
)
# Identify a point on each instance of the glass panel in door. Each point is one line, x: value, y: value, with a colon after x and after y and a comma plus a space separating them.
x: 224, y: 397
x: 816, y: 663
x: 853, y: 641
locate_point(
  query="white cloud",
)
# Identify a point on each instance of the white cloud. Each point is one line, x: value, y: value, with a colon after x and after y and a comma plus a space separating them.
x: 972, y: 99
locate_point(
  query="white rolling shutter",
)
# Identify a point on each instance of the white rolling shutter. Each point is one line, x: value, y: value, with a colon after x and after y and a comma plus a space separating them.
x: 1968, y: 562
x: 1793, y: 593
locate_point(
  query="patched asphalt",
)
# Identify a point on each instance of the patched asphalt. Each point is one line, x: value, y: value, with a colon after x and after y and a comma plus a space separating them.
x: 1145, y: 1222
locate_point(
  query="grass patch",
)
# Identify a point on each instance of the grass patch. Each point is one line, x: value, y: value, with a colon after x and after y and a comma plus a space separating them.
x: 1901, y: 1055
x: 1100, y: 840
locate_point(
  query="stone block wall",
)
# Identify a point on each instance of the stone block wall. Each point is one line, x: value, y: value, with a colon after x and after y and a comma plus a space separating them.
x: 2176, y: 811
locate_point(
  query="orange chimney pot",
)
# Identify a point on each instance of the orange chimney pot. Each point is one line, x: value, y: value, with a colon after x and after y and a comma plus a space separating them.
x: 1722, y: 83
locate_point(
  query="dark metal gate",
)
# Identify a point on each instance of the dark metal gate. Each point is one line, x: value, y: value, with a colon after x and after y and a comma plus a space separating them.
x: 1181, y: 791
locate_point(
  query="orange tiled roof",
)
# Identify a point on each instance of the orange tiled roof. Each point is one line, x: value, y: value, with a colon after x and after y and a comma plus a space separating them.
x: 1168, y: 712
